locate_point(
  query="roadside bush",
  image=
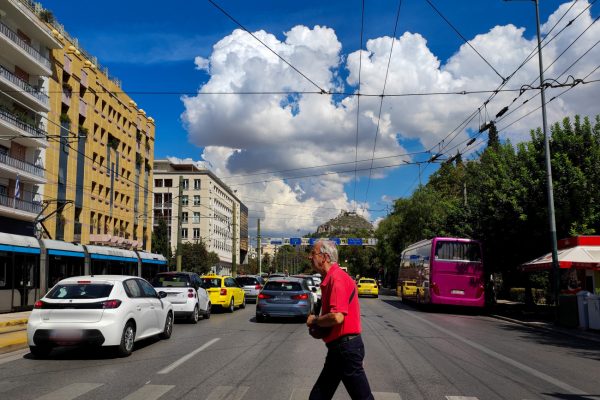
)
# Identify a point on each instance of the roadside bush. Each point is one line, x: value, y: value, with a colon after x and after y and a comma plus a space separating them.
x: 518, y: 294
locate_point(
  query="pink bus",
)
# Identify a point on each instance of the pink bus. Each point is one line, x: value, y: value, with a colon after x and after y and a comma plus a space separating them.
x: 442, y: 271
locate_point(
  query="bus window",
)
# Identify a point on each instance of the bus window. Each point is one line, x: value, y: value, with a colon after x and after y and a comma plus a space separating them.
x: 457, y: 251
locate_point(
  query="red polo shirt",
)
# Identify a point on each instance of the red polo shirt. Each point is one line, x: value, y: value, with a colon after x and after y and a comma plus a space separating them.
x: 336, y: 290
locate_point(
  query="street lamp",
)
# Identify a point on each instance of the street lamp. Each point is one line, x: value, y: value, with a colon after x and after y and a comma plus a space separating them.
x: 550, y: 190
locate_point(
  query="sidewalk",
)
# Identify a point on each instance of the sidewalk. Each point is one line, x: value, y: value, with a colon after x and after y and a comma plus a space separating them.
x: 13, y: 331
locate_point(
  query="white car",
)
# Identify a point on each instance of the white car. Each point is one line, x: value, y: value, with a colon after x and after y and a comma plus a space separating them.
x: 104, y: 310
x: 184, y: 290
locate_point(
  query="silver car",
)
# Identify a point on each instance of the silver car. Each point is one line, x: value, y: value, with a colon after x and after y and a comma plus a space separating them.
x: 284, y: 297
x: 252, y: 285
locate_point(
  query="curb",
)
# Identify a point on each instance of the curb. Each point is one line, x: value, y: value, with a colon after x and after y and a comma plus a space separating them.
x: 547, y: 328
x: 12, y: 341
x: 13, y: 322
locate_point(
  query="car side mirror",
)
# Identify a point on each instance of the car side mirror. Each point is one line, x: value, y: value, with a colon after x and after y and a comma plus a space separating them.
x: 162, y: 295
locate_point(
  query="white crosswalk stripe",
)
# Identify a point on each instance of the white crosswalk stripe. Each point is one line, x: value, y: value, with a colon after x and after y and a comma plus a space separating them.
x: 228, y: 393
x: 70, y: 392
x: 149, y: 392
x: 386, y: 396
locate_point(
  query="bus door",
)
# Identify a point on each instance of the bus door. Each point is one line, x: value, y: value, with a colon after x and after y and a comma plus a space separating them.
x: 26, y: 271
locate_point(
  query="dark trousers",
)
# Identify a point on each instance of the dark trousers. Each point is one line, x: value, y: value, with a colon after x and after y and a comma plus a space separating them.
x: 344, y: 363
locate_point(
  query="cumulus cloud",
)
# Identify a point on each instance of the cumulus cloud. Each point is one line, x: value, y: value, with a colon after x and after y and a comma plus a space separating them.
x: 202, y: 64
x: 254, y: 141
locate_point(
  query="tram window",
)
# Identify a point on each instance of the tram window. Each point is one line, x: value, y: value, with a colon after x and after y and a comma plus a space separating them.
x: 3, y: 274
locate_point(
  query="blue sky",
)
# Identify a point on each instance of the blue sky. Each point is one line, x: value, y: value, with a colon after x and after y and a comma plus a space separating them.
x: 151, y: 47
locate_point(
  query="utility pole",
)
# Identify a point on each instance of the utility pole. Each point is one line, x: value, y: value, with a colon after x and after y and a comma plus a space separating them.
x: 234, y: 244
x: 179, y: 216
x: 259, y: 248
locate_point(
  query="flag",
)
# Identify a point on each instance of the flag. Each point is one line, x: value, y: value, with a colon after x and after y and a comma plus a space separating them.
x: 17, y: 188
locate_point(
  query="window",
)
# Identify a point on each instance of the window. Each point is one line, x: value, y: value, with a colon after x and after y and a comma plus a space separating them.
x: 171, y: 280
x: 196, y: 219
x: 168, y: 182
x: 196, y: 233
x: 196, y: 200
x: 184, y: 217
x: 158, y: 183
x: 132, y: 288
x: 197, y: 184
x: 147, y: 288
x: 184, y: 233
x: 184, y: 200
x: 457, y: 251
x: 186, y: 184
x: 80, y: 291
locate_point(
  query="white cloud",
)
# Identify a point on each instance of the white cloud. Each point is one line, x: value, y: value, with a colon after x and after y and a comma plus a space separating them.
x: 249, y: 134
x: 202, y: 64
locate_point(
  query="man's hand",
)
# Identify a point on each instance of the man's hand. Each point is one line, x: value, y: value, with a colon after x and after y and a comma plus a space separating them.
x: 311, y: 320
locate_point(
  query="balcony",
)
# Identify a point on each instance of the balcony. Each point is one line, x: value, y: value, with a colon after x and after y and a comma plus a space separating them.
x: 17, y: 208
x: 12, y: 121
x: 67, y: 65
x: 35, y: 93
x: 82, y: 108
x: 66, y: 98
x: 84, y: 79
x: 26, y: 47
x: 35, y: 171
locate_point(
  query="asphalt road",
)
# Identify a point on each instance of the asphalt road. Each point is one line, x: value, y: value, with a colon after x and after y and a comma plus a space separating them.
x: 410, y: 354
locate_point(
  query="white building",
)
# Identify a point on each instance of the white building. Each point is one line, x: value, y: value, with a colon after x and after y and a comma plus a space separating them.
x: 211, y: 211
x: 25, y: 43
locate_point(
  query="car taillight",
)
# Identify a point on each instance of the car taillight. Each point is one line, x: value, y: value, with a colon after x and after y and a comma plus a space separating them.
x: 264, y: 296
x: 480, y: 290
x: 223, y: 292
x: 302, y: 296
x: 191, y: 293
x: 258, y: 287
x: 84, y: 281
x: 436, y: 288
x: 375, y: 286
x: 111, y: 304
x: 39, y: 304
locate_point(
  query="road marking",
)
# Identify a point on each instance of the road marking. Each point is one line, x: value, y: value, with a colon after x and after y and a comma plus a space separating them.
x: 228, y: 393
x: 187, y: 357
x: 386, y: 396
x: 300, y: 394
x: 510, y: 361
x: 149, y: 392
x: 461, y: 398
x: 12, y: 356
x: 71, y: 391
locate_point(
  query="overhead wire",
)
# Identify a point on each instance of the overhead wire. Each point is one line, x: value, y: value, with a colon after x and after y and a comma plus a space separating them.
x: 362, y: 26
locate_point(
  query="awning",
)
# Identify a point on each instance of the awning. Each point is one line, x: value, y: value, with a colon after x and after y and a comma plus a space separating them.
x: 111, y: 253
x: 19, y: 244
x: 152, y: 258
x: 579, y: 256
x: 60, y: 248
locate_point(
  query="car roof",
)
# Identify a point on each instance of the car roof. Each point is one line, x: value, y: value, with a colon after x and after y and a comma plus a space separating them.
x: 98, y: 278
x: 286, y: 279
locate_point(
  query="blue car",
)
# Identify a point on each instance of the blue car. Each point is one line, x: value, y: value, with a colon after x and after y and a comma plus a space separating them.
x: 284, y: 297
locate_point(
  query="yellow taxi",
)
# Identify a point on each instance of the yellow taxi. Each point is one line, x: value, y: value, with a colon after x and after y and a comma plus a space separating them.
x: 407, y: 289
x: 368, y: 287
x: 224, y: 291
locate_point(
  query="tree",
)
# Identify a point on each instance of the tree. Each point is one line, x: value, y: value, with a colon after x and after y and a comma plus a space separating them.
x: 160, y: 240
x: 195, y: 258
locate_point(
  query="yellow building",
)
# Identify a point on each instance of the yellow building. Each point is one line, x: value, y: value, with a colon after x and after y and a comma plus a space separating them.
x: 99, y: 157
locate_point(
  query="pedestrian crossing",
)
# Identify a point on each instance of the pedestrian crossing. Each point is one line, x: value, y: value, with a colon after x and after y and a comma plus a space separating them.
x: 156, y: 392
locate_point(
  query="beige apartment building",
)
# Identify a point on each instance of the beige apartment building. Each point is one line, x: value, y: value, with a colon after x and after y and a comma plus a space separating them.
x: 211, y: 211
x: 25, y: 68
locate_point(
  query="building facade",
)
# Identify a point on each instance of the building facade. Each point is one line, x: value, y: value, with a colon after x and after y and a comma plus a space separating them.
x: 211, y: 212
x: 99, y: 163
x: 25, y: 68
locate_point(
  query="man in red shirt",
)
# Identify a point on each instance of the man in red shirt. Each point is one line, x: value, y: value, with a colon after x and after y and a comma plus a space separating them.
x: 339, y: 324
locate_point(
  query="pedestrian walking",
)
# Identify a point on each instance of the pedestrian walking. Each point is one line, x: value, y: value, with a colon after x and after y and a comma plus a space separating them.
x: 339, y: 327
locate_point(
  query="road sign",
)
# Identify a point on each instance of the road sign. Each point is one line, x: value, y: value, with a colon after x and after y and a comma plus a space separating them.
x: 295, y: 241
x: 336, y: 240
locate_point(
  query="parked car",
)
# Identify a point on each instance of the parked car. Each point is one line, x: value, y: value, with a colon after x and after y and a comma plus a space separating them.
x: 284, y: 297
x: 184, y: 290
x: 368, y: 287
x: 252, y: 284
x: 224, y: 291
x: 103, y: 310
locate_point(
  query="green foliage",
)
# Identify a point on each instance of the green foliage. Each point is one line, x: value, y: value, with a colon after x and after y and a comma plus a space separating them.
x: 500, y: 199
x: 160, y: 240
x: 195, y: 258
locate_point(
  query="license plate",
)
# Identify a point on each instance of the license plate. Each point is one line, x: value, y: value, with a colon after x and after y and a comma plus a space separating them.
x: 247, y: 290
x: 461, y: 292
x: 66, y: 335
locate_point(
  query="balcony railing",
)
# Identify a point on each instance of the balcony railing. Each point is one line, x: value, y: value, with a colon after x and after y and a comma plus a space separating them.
x: 22, y: 165
x: 6, y: 31
x: 19, y: 204
x: 38, y: 94
x: 30, y: 129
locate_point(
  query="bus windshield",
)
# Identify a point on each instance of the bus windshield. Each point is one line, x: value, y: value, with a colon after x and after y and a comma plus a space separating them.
x: 457, y: 251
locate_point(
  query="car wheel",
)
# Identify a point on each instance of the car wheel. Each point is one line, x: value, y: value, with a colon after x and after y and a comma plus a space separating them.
x: 231, y: 307
x: 40, y: 351
x: 243, y: 305
x: 127, y: 340
x: 195, y: 315
x: 168, y: 330
x: 207, y: 313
